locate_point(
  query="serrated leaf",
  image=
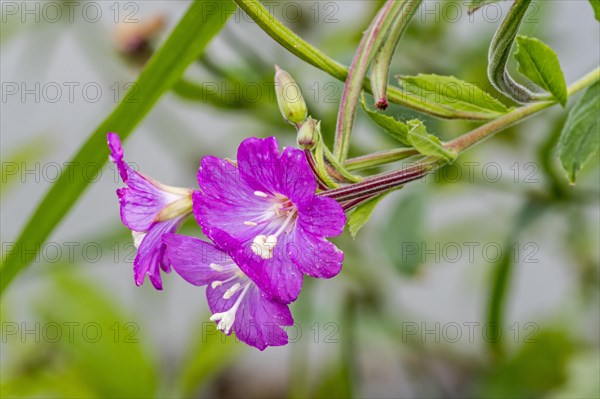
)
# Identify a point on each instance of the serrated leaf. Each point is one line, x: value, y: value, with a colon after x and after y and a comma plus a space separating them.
x: 426, y: 143
x: 453, y: 93
x: 539, y: 63
x: 580, y: 140
x: 596, y: 7
x: 361, y: 215
x: 395, y: 128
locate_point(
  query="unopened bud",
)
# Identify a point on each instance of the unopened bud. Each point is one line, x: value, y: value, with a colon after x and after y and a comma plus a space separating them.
x: 289, y: 98
x: 309, y: 133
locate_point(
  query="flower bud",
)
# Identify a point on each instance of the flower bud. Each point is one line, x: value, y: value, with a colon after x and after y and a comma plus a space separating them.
x: 289, y: 98
x: 308, y: 133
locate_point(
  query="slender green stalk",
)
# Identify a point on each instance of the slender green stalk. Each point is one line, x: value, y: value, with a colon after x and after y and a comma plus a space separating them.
x: 315, y: 57
x: 379, y: 158
x: 489, y: 129
x: 368, y: 46
x: 380, y: 70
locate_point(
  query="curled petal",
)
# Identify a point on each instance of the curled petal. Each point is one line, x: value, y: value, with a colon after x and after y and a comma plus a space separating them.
x: 150, y: 258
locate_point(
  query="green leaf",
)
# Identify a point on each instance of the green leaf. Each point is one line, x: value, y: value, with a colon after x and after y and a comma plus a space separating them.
x: 396, y: 129
x: 579, y: 140
x: 361, y: 215
x: 185, y: 44
x: 452, y: 93
x: 596, y: 7
x: 539, y: 63
x: 426, y: 143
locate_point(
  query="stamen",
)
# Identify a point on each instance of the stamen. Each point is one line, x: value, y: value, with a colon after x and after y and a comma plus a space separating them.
x: 285, y: 224
x: 227, y: 318
x: 218, y: 283
x: 250, y: 224
x: 260, y: 194
x: 229, y: 293
x: 217, y: 268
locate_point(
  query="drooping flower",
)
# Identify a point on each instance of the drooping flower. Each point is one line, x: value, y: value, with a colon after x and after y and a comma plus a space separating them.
x: 149, y: 209
x: 268, y: 204
x: 236, y: 302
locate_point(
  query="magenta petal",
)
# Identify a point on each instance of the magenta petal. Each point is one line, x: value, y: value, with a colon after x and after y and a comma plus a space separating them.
x: 278, y: 276
x: 296, y: 178
x: 116, y: 153
x: 322, y: 216
x: 224, y: 200
x: 150, y: 256
x: 142, y: 199
x: 258, y: 163
x: 259, y: 319
x: 192, y: 258
x: 314, y: 256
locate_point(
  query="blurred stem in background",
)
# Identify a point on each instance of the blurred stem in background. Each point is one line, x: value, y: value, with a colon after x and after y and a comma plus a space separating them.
x: 502, y: 275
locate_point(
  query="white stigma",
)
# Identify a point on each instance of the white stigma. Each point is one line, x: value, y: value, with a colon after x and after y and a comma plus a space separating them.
x: 260, y: 194
x: 252, y: 224
x: 226, y: 319
x: 232, y: 290
x: 263, y: 246
x: 216, y: 267
x: 216, y: 284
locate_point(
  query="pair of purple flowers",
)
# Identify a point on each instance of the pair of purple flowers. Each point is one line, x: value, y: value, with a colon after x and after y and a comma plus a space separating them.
x: 266, y: 223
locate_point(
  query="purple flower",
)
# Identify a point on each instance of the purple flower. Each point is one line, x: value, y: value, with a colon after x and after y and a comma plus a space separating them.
x: 149, y: 209
x: 236, y: 302
x: 269, y: 207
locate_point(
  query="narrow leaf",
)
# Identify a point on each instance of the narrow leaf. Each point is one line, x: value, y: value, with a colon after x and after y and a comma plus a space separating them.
x: 539, y: 63
x: 185, y: 44
x: 426, y: 143
x: 361, y: 215
x: 453, y: 93
x: 579, y: 140
x: 396, y: 129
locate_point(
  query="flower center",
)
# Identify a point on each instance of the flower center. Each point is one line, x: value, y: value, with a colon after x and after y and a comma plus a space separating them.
x: 281, y: 214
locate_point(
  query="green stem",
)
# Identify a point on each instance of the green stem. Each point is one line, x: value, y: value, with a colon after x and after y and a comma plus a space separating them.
x: 379, y: 158
x: 502, y: 276
x: 383, y: 59
x: 310, y: 54
x: 368, y: 46
x: 483, y: 132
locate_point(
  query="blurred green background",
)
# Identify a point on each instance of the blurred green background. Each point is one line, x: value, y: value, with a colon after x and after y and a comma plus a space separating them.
x: 479, y: 281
